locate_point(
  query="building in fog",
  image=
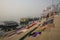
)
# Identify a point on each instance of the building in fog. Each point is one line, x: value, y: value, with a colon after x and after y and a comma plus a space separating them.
x: 58, y: 7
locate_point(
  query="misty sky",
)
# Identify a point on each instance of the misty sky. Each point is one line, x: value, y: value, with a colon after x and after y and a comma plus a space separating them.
x: 15, y: 9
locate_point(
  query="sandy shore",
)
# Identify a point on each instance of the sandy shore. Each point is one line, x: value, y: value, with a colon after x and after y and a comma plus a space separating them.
x: 49, y: 34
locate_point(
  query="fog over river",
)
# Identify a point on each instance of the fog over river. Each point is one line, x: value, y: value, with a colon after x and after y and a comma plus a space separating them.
x: 16, y: 9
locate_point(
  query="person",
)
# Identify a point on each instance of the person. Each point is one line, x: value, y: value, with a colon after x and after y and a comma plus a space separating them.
x: 47, y: 16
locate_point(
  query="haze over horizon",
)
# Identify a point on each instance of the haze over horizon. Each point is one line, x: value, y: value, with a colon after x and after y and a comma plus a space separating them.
x: 15, y: 9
